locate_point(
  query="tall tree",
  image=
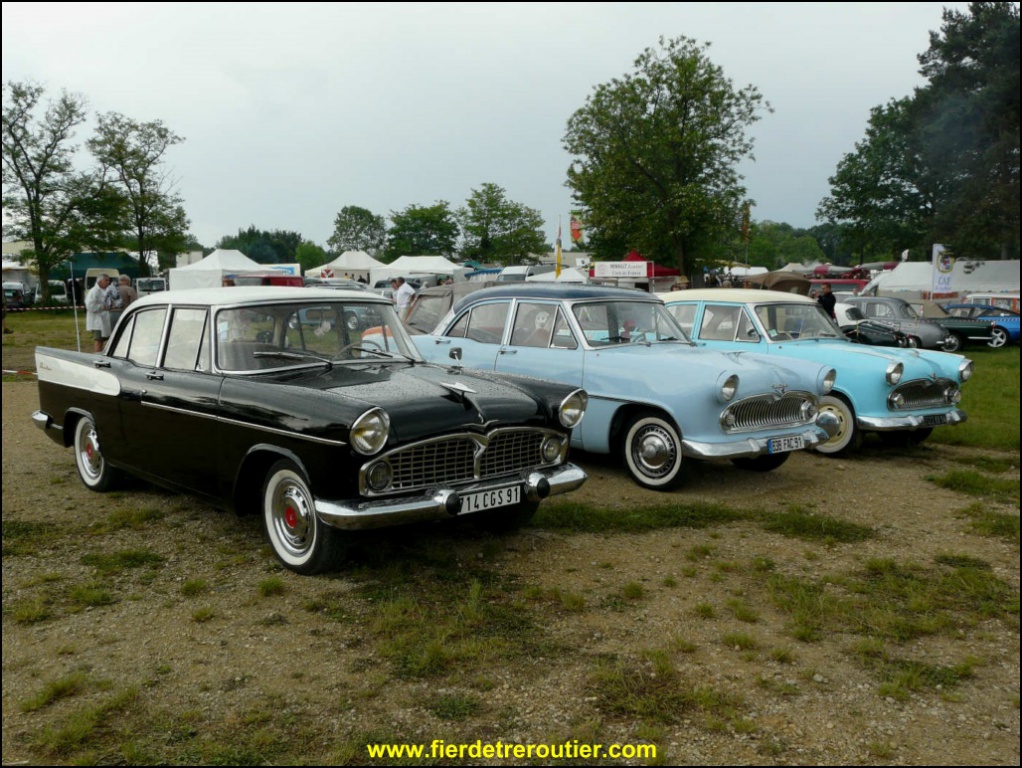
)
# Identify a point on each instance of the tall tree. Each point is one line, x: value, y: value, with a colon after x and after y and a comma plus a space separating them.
x: 885, y: 193
x: 970, y: 115
x: 46, y: 201
x: 358, y: 229
x: 310, y: 256
x: 655, y: 153
x: 276, y: 247
x: 134, y: 153
x: 422, y: 231
x: 495, y: 229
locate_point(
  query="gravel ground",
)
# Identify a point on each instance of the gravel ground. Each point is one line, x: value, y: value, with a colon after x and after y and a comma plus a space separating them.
x: 798, y: 702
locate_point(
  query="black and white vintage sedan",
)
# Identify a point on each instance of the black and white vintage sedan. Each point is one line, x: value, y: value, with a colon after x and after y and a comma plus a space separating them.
x: 265, y: 399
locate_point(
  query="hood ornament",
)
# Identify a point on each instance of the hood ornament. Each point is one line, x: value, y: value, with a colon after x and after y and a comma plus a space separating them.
x: 780, y: 389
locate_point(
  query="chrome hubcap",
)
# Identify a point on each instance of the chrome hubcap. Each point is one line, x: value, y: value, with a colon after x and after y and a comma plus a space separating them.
x: 653, y: 451
x: 293, y: 518
x: 92, y: 459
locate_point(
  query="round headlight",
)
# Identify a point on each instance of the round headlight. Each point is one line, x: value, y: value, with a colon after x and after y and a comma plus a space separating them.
x: 369, y: 432
x: 573, y: 408
x: 965, y: 370
x: 730, y: 387
x: 380, y: 476
x: 828, y: 381
x: 895, y: 372
x: 897, y: 400
x: 551, y: 449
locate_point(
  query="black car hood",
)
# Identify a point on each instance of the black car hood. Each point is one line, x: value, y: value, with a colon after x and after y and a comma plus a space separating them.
x: 427, y: 400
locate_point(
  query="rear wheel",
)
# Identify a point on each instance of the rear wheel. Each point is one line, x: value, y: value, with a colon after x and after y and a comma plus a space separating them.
x: 847, y: 437
x: 765, y: 463
x: 952, y: 343
x: 998, y: 338
x: 95, y: 473
x: 652, y: 452
x: 299, y: 539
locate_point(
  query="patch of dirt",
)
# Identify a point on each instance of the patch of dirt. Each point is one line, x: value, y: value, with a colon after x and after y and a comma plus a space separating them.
x: 802, y: 702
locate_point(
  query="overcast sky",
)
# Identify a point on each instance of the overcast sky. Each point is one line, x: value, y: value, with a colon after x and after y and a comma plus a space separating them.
x: 292, y: 111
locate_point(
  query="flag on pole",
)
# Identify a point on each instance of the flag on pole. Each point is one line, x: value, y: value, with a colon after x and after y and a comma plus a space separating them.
x: 557, y: 272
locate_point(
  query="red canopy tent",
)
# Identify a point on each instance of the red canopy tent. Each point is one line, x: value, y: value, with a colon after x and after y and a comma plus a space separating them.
x: 652, y: 269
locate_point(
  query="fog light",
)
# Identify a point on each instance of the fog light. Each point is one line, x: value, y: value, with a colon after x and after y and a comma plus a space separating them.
x: 551, y: 450
x: 952, y: 395
x: 809, y: 411
x: 380, y: 476
x: 897, y: 400
x: 727, y: 419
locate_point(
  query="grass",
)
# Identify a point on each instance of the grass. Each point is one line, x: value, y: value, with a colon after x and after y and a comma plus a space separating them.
x: 991, y: 398
x: 987, y: 523
x: 127, y: 559
x: 65, y: 687
x: 573, y: 517
x: 980, y: 485
x: 801, y: 524
x: 272, y: 587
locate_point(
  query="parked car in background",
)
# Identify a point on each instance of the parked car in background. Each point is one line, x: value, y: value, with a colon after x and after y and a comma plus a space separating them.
x: 655, y: 399
x: 860, y: 329
x: 1002, y: 300
x: 899, y: 315
x: 263, y: 400
x: 963, y: 331
x: 14, y: 296
x: 250, y: 279
x: 58, y: 293
x: 899, y: 394
x: 519, y: 274
x: 432, y: 304
x: 1005, y: 321
x: 336, y: 283
x: 147, y: 285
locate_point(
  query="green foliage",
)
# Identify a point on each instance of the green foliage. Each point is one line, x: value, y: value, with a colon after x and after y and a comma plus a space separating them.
x: 422, y: 231
x: 358, y: 229
x: 310, y: 256
x: 495, y: 229
x: 655, y: 154
x: 991, y: 398
x: 133, y: 153
x: 276, y: 247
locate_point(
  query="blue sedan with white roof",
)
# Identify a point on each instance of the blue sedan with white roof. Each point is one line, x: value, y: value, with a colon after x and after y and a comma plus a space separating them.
x: 900, y: 394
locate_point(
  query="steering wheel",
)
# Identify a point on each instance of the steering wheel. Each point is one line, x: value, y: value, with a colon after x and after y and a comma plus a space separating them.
x: 265, y: 337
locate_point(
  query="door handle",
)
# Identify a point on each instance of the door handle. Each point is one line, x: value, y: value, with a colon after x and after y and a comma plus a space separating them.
x: 153, y: 376
x: 443, y: 341
x: 101, y: 364
x: 509, y: 351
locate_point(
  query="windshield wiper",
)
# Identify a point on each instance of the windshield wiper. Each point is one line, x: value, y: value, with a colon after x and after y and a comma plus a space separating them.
x: 297, y: 356
x: 384, y: 353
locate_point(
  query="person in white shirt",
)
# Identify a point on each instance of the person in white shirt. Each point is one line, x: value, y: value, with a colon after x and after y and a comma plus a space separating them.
x: 97, y: 311
x: 404, y: 294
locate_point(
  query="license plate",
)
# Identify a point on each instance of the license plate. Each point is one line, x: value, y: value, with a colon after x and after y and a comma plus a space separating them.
x: 498, y: 497
x: 785, y: 444
x: 936, y: 420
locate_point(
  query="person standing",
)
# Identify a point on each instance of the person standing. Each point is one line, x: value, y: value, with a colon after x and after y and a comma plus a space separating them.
x: 403, y: 296
x: 127, y: 294
x: 827, y: 300
x: 97, y: 311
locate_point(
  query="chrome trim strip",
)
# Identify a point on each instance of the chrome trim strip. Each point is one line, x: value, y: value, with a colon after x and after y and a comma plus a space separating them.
x: 908, y: 421
x: 249, y: 425
x: 753, y: 446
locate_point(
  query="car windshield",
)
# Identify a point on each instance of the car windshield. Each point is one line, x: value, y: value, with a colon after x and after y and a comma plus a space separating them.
x: 854, y: 313
x: 621, y: 322
x: 265, y: 337
x: 906, y: 311
x: 783, y: 322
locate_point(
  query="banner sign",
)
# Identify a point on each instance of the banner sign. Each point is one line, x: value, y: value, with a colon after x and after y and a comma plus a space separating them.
x: 575, y: 225
x: 943, y: 264
x: 621, y: 269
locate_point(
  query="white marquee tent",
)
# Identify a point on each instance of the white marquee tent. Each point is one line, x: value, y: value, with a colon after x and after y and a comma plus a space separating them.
x: 355, y: 264
x: 916, y: 277
x: 211, y: 271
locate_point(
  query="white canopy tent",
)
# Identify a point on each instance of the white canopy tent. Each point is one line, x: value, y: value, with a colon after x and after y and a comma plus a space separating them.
x: 211, y: 271
x: 911, y: 279
x: 406, y: 266
x: 354, y: 264
x: 568, y: 275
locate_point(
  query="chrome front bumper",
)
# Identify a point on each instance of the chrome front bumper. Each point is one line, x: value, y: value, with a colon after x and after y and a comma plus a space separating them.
x: 825, y: 427
x: 443, y: 503
x: 908, y: 421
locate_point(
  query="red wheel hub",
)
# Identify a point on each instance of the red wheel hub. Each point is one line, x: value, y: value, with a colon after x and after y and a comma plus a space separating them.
x: 290, y: 517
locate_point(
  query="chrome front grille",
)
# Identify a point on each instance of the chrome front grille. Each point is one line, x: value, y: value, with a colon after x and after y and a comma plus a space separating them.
x: 923, y: 393
x: 464, y: 458
x: 793, y: 409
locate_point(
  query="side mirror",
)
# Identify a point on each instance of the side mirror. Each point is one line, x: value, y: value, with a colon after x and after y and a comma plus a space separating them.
x: 455, y: 354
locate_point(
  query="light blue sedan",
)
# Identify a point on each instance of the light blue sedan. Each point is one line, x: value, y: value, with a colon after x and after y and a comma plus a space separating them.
x: 655, y: 398
x: 900, y: 394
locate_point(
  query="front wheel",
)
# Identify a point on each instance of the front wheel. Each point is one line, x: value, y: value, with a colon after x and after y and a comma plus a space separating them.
x: 847, y: 437
x: 768, y: 462
x: 299, y: 539
x: 95, y: 473
x: 998, y: 338
x: 652, y: 452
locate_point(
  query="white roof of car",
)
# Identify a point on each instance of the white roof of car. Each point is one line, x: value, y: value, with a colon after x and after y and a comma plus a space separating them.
x: 254, y: 295
x: 743, y: 295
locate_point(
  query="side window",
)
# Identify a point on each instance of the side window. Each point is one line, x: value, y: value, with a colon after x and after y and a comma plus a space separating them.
x: 719, y: 322
x: 563, y: 337
x: 746, y: 329
x: 484, y: 323
x: 185, y: 340
x: 146, y: 335
x: 685, y: 314
x: 534, y: 325
x: 124, y: 339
